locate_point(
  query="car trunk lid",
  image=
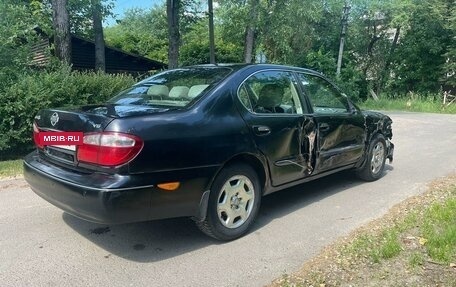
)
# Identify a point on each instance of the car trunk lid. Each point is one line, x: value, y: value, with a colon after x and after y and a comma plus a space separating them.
x: 86, y: 119
x: 67, y: 120
x: 71, y: 120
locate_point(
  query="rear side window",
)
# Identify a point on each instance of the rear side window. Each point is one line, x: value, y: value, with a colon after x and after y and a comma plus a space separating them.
x: 174, y: 88
x: 325, y: 99
x: 271, y: 92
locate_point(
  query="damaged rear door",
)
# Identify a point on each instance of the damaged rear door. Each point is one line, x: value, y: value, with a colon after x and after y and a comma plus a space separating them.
x: 280, y: 127
x: 341, y: 133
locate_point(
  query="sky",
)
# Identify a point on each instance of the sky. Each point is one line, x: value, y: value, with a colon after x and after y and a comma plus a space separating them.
x: 122, y: 5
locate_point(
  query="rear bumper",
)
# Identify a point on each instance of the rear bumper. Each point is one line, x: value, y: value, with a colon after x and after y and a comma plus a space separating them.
x: 113, y: 198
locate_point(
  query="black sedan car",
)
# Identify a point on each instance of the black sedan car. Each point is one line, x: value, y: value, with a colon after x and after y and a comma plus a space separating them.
x: 205, y: 142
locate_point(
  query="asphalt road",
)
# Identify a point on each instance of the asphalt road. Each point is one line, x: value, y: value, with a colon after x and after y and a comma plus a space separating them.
x: 42, y: 246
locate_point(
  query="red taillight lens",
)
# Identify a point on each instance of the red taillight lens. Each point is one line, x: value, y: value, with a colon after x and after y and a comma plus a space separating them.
x: 36, y: 137
x: 109, y: 148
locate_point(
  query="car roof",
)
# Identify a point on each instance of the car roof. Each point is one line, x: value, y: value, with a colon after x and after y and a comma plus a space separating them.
x: 240, y: 66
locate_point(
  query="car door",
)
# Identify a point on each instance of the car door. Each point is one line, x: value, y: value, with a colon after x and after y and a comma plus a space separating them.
x: 274, y: 111
x: 340, y: 126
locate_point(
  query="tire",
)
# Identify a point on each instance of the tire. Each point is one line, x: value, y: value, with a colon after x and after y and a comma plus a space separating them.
x: 234, y: 201
x: 374, y: 165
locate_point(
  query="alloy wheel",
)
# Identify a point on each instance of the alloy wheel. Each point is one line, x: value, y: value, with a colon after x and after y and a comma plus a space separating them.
x: 235, y: 201
x: 378, y: 157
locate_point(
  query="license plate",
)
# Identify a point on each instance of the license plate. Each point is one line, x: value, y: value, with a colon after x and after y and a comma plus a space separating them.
x: 67, y: 147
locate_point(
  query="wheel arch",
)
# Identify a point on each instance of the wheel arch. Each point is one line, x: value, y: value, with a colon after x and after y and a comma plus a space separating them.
x: 370, y: 136
x: 364, y: 171
x: 373, y: 127
x: 258, y: 164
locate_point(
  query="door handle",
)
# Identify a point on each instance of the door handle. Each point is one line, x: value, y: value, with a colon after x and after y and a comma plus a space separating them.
x: 261, y: 130
x: 323, y: 127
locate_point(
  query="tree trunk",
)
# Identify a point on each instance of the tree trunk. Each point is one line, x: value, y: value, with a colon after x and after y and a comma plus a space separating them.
x: 342, y: 39
x: 172, y: 12
x: 385, y: 71
x: 62, y: 36
x: 250, y: 31
x: 211, y: 32
x: 100, y: 60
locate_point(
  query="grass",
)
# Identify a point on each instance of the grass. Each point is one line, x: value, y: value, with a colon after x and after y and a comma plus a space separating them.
x: 439, y: 229
x: 412, y: 105
x: 376, y: 247
x: 10, y: 168
x: 389, y: 246
x: 413, y: 245
x: 416, y: 259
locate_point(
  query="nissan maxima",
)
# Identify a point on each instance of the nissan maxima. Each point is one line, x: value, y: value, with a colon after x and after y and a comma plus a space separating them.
x: 206, y: 142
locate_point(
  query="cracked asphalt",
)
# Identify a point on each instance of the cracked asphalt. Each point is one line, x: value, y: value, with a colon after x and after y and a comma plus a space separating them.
x: 42, y: 246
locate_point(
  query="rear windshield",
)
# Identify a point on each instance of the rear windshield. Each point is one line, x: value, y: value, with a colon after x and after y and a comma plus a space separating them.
x: 174, y: 88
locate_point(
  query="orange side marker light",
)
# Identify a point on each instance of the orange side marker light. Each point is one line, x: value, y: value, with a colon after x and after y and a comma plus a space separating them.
x: 169, y: 186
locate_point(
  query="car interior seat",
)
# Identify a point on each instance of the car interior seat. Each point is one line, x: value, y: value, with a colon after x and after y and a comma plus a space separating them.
x: 157, y: 92
x: 179, y: 92
x: 196, y: 90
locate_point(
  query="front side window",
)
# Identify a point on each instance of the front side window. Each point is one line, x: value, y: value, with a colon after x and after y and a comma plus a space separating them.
x: 270, y: 92
x: 174, y: 88
x: 325, y: 99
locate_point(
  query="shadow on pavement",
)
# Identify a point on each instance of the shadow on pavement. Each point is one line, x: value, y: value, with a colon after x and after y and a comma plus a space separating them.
x: 163, y: 239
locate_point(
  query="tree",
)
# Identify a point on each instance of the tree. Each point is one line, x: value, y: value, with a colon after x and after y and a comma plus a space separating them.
x: 421, y: 55
x: 172, y: 12
x: 211, y: 31
x: 446, y: 11
x: 389, y: 57
x: 392, y: 46
x: 342, y: 38
x: 100, y: 61
x: 196, y: 48
x: 81, y: 15
x: 250, y: 30
x: 141, y: 32
x: 16, y: 20
x: 62, y: 37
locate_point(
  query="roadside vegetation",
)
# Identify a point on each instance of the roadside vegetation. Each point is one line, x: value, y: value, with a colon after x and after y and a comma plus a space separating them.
x: 423, y: 104
x: 413, y: 245
x: 57, y: 87
x: 397, y: 48
x: 10, y: 168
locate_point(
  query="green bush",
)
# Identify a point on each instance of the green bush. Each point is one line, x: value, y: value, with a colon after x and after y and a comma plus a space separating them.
x: 195, y: 53
x: 430, y: 103
x: 33, y: 91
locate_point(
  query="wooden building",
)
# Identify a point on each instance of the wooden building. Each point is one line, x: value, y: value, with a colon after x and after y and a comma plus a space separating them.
x: 83, y: 57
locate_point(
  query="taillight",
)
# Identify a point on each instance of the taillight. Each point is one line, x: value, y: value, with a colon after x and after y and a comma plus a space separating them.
x: 109, y: 148
x: 36, y: 137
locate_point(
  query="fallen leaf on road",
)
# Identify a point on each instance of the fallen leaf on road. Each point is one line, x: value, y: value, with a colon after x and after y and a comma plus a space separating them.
x: 423, y: 240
